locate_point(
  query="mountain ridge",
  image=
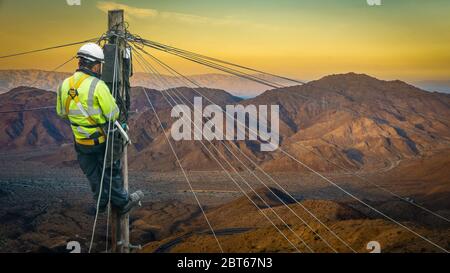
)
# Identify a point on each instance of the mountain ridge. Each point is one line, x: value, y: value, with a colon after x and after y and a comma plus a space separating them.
x: 352, y: 118
x: 11, y: 78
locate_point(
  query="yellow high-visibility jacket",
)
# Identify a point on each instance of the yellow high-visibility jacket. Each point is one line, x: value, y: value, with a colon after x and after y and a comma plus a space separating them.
x: 90, y: 110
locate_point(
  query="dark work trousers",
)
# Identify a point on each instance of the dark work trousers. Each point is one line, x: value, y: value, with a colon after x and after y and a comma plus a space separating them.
x: 91, y: 160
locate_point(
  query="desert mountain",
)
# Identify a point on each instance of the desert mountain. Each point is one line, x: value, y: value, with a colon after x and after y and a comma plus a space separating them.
x: 359, y: 119
x: 350, y: 119
x: 353, y: 120
x: 28, y: 129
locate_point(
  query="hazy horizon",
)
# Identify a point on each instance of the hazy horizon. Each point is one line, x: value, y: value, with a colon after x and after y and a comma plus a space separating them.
x: 427, y: 85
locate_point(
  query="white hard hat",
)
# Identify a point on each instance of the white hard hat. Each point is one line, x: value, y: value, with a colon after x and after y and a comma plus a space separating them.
x: 91, y: 52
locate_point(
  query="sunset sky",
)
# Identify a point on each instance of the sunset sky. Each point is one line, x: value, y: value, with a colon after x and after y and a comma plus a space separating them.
x: 305, y: 39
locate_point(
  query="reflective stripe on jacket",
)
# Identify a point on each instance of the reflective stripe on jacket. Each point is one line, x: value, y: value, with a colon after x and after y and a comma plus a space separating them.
x: 95, y: 99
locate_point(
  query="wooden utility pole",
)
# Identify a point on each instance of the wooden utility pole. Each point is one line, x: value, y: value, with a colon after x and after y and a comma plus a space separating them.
x: 120, y: 240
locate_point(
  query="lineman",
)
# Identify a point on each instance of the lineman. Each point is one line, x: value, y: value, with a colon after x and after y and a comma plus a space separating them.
x: 87, y: 103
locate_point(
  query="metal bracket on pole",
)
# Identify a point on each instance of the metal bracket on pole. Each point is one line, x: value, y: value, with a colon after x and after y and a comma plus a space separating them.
x: 123, y: 133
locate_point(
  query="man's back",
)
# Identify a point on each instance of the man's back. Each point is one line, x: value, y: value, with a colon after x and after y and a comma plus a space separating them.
x: 92, y: 98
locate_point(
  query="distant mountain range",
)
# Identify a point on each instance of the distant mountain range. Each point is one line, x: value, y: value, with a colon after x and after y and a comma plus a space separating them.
x: 46, y: 80
x: 353, y: 119
x: 438, y: 86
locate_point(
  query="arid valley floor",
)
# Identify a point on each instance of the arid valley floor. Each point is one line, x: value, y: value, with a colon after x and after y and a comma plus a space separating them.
x: 43, y: 207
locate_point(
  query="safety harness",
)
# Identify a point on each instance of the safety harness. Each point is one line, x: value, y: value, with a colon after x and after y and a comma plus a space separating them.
x: 99, y: 136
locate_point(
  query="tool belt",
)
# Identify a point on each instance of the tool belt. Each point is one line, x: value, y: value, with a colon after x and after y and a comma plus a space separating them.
x: 95, y: 139
x: 90, y: 141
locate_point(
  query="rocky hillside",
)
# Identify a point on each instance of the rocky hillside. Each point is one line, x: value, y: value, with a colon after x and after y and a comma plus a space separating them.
x: 353, y: 120
x: 241, y: 228
x: 359, y: 120
x: 30, y: 129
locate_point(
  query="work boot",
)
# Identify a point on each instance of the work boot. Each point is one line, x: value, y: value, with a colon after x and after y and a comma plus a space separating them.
x: 133, y: 201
